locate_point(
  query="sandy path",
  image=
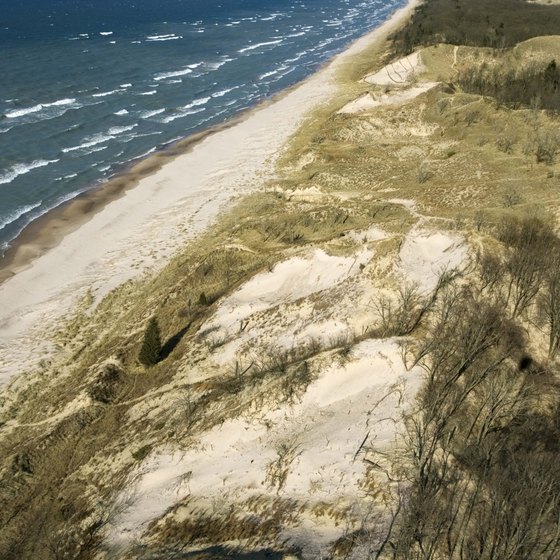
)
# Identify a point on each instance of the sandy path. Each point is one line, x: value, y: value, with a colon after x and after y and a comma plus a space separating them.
x: 151, y: 221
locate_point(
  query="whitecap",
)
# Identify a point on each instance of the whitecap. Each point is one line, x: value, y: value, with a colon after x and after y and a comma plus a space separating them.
x: 21, y: 112
x: 174, y: 74
x: 105, y: 93
x: 18, y: 213
x: 105, y: 33
x: 121, y: 113
x: 182, y: 115
x: 153, y: 92
x: 23, y: 168
x: 99, y: 139
x: 257, y: 45
x: 222, y: 92
x: 273, y: 72
x: 216, y: 65
x: 168, y: 37
x: 124, y: 86
x: 95, y: 149
x: 116, y: 130
x: 196, y: 102
x: 148, y: 114
x: 94, y: 141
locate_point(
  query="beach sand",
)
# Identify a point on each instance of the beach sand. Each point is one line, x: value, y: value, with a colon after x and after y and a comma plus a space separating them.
x: 109, y: 237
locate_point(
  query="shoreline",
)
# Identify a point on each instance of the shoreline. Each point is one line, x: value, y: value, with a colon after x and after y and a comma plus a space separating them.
x: 135, y: 222
x: 48, y: 230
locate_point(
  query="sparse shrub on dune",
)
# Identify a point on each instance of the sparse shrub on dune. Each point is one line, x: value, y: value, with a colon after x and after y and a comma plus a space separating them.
x: 150, y: 351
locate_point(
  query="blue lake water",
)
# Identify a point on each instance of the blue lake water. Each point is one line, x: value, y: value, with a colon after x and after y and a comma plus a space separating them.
x: 89, y: 85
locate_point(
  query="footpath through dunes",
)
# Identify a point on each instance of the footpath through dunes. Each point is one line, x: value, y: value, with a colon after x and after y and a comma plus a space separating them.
x: 341, y: 352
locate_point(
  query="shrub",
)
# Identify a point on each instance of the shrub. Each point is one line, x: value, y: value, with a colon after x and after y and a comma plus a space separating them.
x: 151, y: 347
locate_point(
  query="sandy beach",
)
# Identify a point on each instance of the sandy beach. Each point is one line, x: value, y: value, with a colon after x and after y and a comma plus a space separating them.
x: 141, y: 227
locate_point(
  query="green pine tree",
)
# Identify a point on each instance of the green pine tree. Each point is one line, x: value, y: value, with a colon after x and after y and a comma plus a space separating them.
x: 151, y: 347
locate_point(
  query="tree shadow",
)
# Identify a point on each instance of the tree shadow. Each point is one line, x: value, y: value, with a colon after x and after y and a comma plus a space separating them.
x: 172, y: 342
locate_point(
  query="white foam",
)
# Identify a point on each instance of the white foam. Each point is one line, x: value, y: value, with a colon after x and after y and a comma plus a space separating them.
x: 21, y: 112
x: 197, y: 102
x: 106, y: 93
x: 223, y: 92
x: 23, y: 168
x: 174, y: 74
x: 105, y: 33
x: 273, y: 72
x: 116, y: 130
x: 257, y: 45
x: 18, y: 213
x: 148, y: 92
x: 182, y: 115
x: 121, y: 112
x: 39, y: 107
x: 216, y: 65
x: 148, y: 114
x: 99, y: 139
x: 168, y: 37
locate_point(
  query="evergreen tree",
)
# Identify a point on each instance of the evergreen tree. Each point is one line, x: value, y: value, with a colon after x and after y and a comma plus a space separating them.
x: 151, y: 347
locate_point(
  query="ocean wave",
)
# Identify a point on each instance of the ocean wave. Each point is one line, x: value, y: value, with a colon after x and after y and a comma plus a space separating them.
x: 153, y: 92
x: 106, y: 93
x: 196, y: 103
x: 257, y: 45
x: 105, y: 33
x: 272, y: 72
x: 23, y: 168
x: 181, y: 115
x: 215, y: 65
x: 94, y: 150
x: 116, y: 130
x: 223, y: 92
x: 18, y: 213
x: 174, y: 74
x: 148, y: 114
x: 99, y: 139
x: 15, y: 113
x: 299, y: 56
x: 273, y: 16
x: 121, y: 113
x: 168, y: 37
